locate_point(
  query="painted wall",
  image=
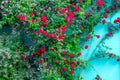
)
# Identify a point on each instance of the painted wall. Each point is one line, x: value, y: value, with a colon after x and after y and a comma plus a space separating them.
x: 107, y: 69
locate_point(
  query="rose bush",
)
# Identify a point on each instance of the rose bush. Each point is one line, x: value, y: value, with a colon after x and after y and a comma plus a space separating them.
x: 52, y: 34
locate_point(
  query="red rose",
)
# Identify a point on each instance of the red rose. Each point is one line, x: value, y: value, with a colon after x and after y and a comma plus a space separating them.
x: 87, y: 15
x: 110, y: 55
x: 57, y: 9
x: 106, y: 10
x: 72, y: 65
x: 65, y: 62
x: 41, y: 31
x: 38, y: 52
x: 81, y: 27
x: 64, y: 10
x: 105, y: 15
x: 88, y: 37
x: 76, y: 9
x: 66, y: 18
x: 98, y: 36
x: 78, y: 63
x: 39, y: 61
x: 71, y: 55
x: 52, y: 48
x: 103, y: 21
x: 109, y: 34
x: 99, y: 3
x: 50, y: 35
x: 71, y: 21
x: 62, y: 29
x: 64, y: 69
x: 24, y: 57
x: 63, y: 52
x: 31, y: 14
x: 71, y: 14
x: 33, y: 20
x: 54, y: 37
x: 56, y: 62
x: 71, y: 71
x: 113, y: 7
x: 20, y: 17
x: 79, y: 54
x: 86, y: 47
x: 34, y: 33
x: 42, y: 50
x: 43, y: 19
x: 118, y: 59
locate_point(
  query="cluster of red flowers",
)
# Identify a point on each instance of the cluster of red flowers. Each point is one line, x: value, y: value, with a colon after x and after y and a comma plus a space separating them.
x: 117, y: 20
x: 22, y: 17
x: 40, y: 51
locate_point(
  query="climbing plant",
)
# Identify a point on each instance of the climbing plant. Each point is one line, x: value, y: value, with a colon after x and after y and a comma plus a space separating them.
x: 49, y: 35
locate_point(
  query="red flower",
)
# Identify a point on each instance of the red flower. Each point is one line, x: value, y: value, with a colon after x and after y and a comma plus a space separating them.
x: 42, y: 50
x: 87, y: 15
x: 34, y: 33
x: 118, y: 59
x: 56, y: 62
x: 71, y: 71
x: 63, y: 52
x: 81, y: 27
x: 98, y: 36
x: 52, y: 48
x: 43, y: 19
x: 50, y: 35
x: 109, y: 34
x: 71, y: 14
x: 110, y: 55
x: 20, y: 17
x: 57, y: 9
x: 113, y: 7
x: 76, y: 9
x: 24, y: 57
x: 88, y: 37
x: 66, y: 18
x: 64, y: 10
x: 67, y: 24
x: 71, y: 55
x: 54, y: 37
x: 38, y: 52
x: 31, y: 55
x: 86, y: 47
x: 106, y: 10
x: 65, y: 62
x: 71, y: 62
x: 72, y: 65
x: 41, y: 31
x: 31, y: 14
x: 62, y: 29
x: 39, y: 61
x: 99, y: 3
x: 79, y: 54
x: 33, y: 21
x: 78, y: 63
x: 103, y: 21
x: 64, y: 69
x: 105, y: 15
x: 71, y: 21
